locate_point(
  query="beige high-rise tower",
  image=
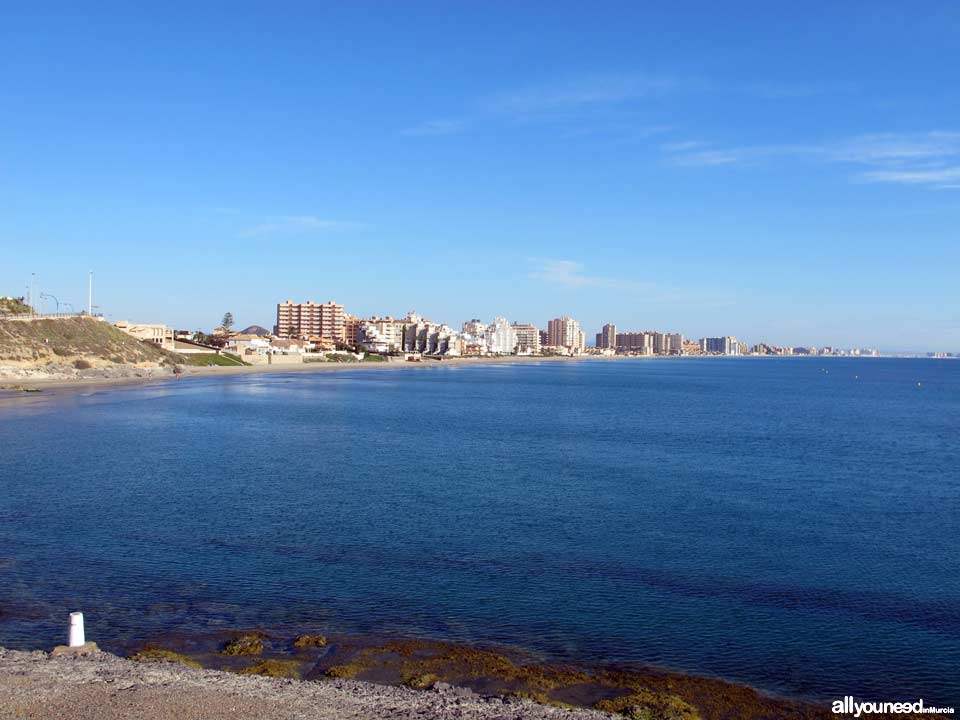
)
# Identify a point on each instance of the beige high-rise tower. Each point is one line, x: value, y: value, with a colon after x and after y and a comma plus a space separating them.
x: 564, y: 332
x: 310, y: 319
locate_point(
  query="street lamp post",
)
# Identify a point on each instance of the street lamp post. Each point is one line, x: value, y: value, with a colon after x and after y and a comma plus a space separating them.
x: 53, y: 297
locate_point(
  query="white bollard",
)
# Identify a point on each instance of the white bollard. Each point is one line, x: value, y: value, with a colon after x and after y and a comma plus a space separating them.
x: 76, y: 629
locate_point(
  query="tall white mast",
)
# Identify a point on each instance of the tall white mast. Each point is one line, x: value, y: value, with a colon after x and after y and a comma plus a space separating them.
x: 90, y: 294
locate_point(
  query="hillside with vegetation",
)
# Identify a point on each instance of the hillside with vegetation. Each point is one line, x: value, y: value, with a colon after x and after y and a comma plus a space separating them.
x: 13, y: 306
x: 83, y: 342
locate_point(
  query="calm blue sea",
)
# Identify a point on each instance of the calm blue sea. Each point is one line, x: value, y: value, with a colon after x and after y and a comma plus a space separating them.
x: 788, y: 523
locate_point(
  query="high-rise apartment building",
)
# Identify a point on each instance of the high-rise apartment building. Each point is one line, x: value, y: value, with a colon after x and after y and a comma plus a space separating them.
x: 640, y: 343
x: 673, y: 344
x: 475, y: 329
x: 607, y: 338
x: 659, y: 343
x: 564, y: 332
x: 528, y: 337
x: 425, y: 336
x: 381, y: 334
x: 310, y: 319
x: 501, y: 337
x: 727, y: 345
x: 667, y: 343
x: 351, y: 329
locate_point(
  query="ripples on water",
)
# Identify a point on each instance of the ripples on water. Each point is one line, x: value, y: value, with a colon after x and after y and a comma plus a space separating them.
x: 759, y: 520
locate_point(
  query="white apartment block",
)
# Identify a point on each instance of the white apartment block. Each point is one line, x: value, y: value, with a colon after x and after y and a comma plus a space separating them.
x: 727, y: 345
x: 501, y: 337
x: 528, y: 337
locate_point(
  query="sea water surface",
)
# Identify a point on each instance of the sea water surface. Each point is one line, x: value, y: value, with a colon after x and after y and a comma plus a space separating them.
x: 787, y: 523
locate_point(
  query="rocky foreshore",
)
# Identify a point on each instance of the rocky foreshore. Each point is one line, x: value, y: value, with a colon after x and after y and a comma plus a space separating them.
x: 100, y: 686
x: 65, y: 374
x: 56, y: 371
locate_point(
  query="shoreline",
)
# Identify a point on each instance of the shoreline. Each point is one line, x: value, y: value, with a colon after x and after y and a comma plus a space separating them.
x: 8, y: 384
x: 13, y: 385
x: 419, y: 669
x: 390, y: 676
x: 96, y: 685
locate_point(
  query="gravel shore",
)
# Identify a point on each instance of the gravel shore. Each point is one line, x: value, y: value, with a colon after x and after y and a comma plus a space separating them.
x: 101, y: 686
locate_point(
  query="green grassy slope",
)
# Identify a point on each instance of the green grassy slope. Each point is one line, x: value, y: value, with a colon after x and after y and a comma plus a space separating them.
x: 203, y: 359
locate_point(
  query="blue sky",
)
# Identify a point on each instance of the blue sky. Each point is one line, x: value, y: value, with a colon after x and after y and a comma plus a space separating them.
x: 781, y: 173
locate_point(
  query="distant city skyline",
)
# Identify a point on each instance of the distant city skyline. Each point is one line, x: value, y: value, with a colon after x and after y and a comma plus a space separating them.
x: 787, y: 175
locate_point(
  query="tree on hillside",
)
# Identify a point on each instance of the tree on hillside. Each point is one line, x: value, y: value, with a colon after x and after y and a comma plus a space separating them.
x: 227, y: 322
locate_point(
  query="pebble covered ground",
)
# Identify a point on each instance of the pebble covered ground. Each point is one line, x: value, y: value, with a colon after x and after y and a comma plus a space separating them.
x: 101, y: 686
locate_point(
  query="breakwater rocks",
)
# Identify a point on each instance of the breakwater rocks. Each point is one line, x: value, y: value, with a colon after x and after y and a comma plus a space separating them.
x: 101, y: 686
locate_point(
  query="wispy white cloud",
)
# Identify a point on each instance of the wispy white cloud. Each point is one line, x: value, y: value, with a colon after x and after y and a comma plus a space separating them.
x: 942, y: 178
x: 683, y: 146
x: 435, y: 127
x: 884, y: 148
x: 570, y: 274
x: 783, y: 91
x: 299, y: 225
x: 576, y: 94
x: 603, y: 105
x: 694, y: 153
x: 578, y: 97
x: 732, y: 156
x: 929, y: 158
x: 618, y: 132
x: 573, y: 275
x: 593, y: 104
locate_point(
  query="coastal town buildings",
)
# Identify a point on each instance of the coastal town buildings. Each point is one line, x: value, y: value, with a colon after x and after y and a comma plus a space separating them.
x: 607, y: 337
x: 528, y: 338
x: 421, y: 335
x: 634, y: 343
x: 727, y: 345
x: 155, y: 333
x: 565, y: 332
x: 310, y: 319
x: 674, y: 344
x: 667, y: 343
x: 248, y: 345
x: 476, y: 329
x: 381, y: 334
x: 351, y: 330
x: 501, y: 337
x: 474, y: 337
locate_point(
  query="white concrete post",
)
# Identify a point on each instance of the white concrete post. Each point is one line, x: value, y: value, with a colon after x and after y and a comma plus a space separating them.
x: 76, y: 629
